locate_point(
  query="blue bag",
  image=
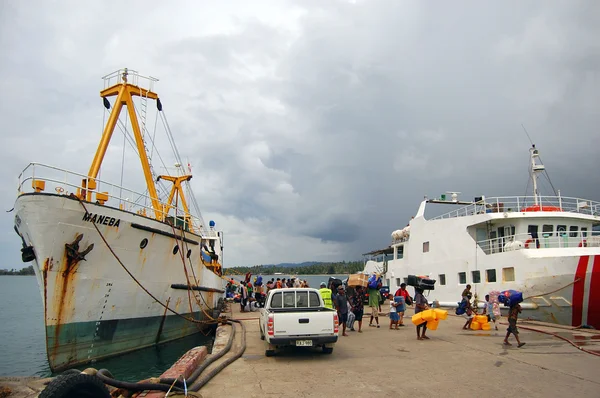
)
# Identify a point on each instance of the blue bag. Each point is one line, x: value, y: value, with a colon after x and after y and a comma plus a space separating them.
x: 462, y: 308
x: 372, y: 282
x: 510, y: 297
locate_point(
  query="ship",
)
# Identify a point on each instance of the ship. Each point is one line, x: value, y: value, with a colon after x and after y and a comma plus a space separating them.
x: 119, y: 269
x: 546, y: 247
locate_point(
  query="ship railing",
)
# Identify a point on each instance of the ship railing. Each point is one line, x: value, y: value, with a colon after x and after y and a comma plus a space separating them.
x: 513, y: 204
x: 39, y: 177
x: 131, y: 76
x: 549, y: 240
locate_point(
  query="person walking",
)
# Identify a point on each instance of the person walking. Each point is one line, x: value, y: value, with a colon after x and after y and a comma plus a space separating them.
x: 358, y: 305
x: 374, y: 305
x: 421, y: 305
x: 243, y: 296
x: 341, y: 305
x: 326, y: 295
x: 489, y: 310
x: 469, y: 311
x: 513, y: 315
x: 400, y: 309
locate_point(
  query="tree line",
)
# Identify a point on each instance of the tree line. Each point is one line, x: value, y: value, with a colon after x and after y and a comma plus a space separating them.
x: 24, y: 271
x: 341, y: 268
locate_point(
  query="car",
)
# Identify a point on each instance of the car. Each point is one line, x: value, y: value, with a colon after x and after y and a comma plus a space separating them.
x: 297, y: 317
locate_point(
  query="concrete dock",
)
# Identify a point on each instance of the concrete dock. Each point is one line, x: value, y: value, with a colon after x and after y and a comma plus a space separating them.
x: 454, y: 362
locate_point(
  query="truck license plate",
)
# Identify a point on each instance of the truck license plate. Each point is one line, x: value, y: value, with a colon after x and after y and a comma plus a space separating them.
x: 303, y: 343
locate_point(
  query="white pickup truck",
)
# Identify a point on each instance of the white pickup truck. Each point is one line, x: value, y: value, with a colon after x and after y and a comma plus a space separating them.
x: 297, y: 317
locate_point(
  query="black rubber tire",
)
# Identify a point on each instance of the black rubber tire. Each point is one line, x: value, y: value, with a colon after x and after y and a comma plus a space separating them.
x: 269, y: 353
x: 72, y: 385
x: 327, y: 350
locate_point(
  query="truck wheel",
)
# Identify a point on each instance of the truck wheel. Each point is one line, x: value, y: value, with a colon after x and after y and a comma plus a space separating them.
x: 269, y: 353
x: 327, y: 350
x: 262, y: 335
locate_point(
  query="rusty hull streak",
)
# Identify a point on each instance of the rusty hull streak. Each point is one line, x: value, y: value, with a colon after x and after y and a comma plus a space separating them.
x: 64, y: 289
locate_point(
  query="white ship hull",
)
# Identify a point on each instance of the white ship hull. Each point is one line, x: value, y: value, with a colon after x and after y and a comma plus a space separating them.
x: 494, y: 250
x: 92, y: 308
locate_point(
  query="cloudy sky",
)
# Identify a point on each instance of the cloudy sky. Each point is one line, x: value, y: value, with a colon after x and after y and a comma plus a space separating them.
x: 314, y: 128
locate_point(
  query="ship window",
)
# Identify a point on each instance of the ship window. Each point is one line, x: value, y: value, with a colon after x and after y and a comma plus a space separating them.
x: 176, y: 249
x: 400, y: 253
x: 406, y: 280
x: 189, y: 253
x: 584, y: 232
x: 442, y: 278
x: 388, y: 282
x: 508, y: 274
x: 547, y: 230
x: 462, y: 278
x: 476, y: 276
x: 425, y: 247
x: 143, y: 243
x: 398, y: 281
x: 490, y: 275
x: 573, y: 231
x: 561, y: 230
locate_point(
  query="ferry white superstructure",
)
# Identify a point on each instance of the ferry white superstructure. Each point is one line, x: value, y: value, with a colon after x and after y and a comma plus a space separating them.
x: 543, y: 246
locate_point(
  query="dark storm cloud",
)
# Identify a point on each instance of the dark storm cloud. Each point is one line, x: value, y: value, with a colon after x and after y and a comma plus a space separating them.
x: 316, y: 124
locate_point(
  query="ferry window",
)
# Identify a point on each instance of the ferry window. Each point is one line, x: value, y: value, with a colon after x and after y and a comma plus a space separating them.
x: 508, y: 274
x: 442, y: 278
x: 313, y: 299
x: 398, y: 281
x: 425, y: 247
x: 584, y: 232
x: 573, y: 231
x: 490, y: 275
x: 561, y: 230
x: 276, y: 301
x: 547, y: 230
x: 462, y: 278
x: 388, y: 282
x: 405, y: 280
x: 476, y: 276
x: 400, y: 253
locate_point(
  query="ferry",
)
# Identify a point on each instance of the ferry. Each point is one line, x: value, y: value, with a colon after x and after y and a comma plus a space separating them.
x: 119, y: 269
x: 543, y: 246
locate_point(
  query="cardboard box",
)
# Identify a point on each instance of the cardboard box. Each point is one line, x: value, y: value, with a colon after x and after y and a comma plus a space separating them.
x: 358, y: 280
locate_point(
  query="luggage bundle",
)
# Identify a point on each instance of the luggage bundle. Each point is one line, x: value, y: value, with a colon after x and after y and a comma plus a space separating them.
x: 358, y: 280
x: 510, y: 297
x: 432, y: 316
x: 421, y: 282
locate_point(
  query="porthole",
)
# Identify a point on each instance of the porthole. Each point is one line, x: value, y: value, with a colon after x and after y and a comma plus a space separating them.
x: 176, y: 249
x: 143, y: 243
x: 189, y: 253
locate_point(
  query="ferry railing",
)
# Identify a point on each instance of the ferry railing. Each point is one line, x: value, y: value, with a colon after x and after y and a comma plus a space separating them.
x: 549, y: 240
x: 60, y: 181
x: 526, y: 203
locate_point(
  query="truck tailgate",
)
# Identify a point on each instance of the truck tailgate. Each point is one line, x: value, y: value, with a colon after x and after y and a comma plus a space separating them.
x: 305, y: 323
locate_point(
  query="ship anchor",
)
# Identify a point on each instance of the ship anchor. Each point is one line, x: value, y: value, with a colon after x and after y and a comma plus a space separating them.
x: 73, y: 252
